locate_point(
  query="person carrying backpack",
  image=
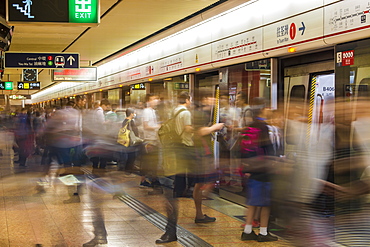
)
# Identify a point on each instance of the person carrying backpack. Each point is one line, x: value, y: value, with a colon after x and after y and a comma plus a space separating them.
x: 255, y: 145
x: 180, y: 129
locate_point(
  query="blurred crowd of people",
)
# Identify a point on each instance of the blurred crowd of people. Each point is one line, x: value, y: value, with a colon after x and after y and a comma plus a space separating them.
x: 244, y: 147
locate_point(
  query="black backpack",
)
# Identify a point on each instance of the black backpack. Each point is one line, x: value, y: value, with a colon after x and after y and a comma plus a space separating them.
x: 167, y: 132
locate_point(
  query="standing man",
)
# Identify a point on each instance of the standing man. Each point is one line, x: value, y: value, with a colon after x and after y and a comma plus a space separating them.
x: 150, y: 159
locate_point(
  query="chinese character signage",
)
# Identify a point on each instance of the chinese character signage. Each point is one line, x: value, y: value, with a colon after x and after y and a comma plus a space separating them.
x: 42, y: 60
x: 59, y: 11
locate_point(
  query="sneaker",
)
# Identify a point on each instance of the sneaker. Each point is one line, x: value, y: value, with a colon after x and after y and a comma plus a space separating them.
x: 206, y: 219
x: 267, y: 238
x: 255, y: 223
x: 250, y: 236
x: 145, y: 184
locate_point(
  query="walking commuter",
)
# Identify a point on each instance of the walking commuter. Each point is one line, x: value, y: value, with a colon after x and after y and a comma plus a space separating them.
x: 63, y: 137
x: 97, y: 132
x: 185, y: 152
x: 23, y: 136
x: 80, y: 105
x: 175, y: 161
x: 38, y: 127
x: 203, y: 169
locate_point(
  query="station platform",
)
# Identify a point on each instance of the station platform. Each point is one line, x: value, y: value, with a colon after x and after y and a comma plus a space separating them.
x: 34, y: 217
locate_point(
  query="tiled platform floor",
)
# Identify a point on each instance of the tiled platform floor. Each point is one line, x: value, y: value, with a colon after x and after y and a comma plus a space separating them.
x: 28, y: 218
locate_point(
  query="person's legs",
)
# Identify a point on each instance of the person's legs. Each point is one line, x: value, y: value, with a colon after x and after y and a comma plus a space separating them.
x: 197, y: 196
x: 171, y: 204
x: 122, y: 161
x: 248, y: 233
x: 103, y: 162
x: 131, y: 156
x: 95, y: 162
x: 249, y: 218
x: 179, y: 185
x: 264, y: 219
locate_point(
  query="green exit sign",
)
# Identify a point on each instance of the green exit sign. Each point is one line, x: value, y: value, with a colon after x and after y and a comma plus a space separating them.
x: 8, y: 85
x: 83, y: 11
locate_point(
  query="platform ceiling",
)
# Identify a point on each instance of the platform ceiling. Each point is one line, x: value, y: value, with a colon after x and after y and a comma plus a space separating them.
x: 122, y: 23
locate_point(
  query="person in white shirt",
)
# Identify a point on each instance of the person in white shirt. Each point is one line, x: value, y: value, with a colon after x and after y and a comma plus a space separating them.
x: 150, y: 157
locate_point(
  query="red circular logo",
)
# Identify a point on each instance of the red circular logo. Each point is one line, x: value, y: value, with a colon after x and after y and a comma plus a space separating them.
x: 50, y: 58
x: 292, y: 31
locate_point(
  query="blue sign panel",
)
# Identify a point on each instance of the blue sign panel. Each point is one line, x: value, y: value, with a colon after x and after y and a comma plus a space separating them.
x: 42, y: 60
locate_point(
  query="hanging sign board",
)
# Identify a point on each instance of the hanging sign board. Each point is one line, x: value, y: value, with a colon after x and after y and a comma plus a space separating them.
x: 42, y: 60
x: 83, y: 12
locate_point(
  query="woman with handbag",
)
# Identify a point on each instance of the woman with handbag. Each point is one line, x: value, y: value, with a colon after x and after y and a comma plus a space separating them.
x: 128, y: 152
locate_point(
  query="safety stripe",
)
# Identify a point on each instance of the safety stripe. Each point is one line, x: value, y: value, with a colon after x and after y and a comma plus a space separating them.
x: 310, y: 111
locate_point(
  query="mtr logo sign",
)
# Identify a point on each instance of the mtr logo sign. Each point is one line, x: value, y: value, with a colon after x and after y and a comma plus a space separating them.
x: 83, y: 11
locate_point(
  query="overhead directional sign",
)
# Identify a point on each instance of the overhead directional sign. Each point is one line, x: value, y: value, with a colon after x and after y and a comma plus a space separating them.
x: 42, y: 60
x: 28, y: 85
x: 58, y: 11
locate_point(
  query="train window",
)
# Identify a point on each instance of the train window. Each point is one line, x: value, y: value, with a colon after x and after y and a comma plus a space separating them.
x: 295, y: 111
x: 298, y: 92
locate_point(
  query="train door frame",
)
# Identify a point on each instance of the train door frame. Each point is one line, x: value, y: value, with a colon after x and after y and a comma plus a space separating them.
x: 240, y: 77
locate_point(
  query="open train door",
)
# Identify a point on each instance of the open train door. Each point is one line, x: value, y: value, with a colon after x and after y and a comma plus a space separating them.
x: 309, y: 130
